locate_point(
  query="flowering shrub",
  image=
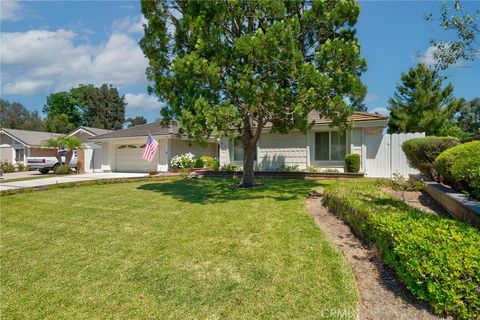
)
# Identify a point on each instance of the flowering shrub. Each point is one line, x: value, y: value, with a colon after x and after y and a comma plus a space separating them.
x: 182, y: 161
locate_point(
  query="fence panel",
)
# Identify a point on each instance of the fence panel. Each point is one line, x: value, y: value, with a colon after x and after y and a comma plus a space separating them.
x: 385, y: 155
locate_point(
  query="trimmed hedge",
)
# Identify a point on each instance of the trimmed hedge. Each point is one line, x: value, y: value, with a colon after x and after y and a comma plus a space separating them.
x: 352, y: 162
x: 437, y: 258
x: 459, y: 167
x: 422, y: 152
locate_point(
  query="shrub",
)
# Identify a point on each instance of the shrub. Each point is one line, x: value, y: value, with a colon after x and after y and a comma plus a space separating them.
x: 199, y: 163
x: 186, y: 160
x: 422, y: 152
x: 437, y: 258
x: 229, y: 167
x: 459, y: 167
x: 8, y: 167
x: 215, y: 164
x: 285, y: 168
x: 352, y: 162
x: 399, y: 183
x: 20, y: 166
x: 208, y: 162
x: 63, y: 169
x: 311, y: 169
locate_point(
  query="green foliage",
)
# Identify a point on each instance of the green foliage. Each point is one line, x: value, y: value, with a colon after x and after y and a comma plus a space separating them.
x: 422, y: 152
x: 199, y: 163
x: 437, y: 258
x: 7, y: 167
x: 132, y: 122
x: 229, y: 167
x: 399, y: 183
x: 352, y: 162
x: 215, y: 164
x: 223, y: 65
x: 465, y: 25
x: 59, y: 123
x: 311, y: 169
x: 420, y: 104
x: 87, y: 105
x: 16, y: 116
x: 208, y: 162
x: 459, y: 167
x: 102, y: 107
x: 468, y: 119
x: 66, y: 104
x: 66, y: 143
x: 285, y: 168
x: 184, y: 172
x: 451, y: 129
x: 63, y: 169
x: 21, y: 166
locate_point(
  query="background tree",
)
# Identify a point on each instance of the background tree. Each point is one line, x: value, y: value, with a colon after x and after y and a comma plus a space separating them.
x: 64, y: 103
x: 16, y: 116
x: 69, y: 144
x: 101, y: 107
x: 59, y: 123
x: 420, y: 103
x: 243, y: 64
x: 132, y: 122
x: 469, y: 117
x: 465, y: 26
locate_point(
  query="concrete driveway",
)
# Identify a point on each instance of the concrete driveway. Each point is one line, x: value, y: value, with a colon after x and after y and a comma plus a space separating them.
x: 54, y: 179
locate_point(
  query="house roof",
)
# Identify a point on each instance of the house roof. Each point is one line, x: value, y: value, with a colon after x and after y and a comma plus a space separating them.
x: 155, y: 129
x: 30, y: 138
x: 355, y: 117
x: 90, y: 130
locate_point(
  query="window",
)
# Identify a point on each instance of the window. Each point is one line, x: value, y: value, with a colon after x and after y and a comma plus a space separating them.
x: 19, y: 155
x: 238, y: 150
x: 330, y: 146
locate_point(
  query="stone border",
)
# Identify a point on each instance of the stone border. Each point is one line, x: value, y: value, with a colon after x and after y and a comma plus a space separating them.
x: 279, y: 174
x: 457, y: 204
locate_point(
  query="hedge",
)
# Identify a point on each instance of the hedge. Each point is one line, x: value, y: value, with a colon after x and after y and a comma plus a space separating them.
x: 437, y: 258
x: 422, y: 152
x: 352, y: 162
x: 459, y: 167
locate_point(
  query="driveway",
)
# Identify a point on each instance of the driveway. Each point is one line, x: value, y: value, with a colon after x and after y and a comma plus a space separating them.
x: 54, y: 179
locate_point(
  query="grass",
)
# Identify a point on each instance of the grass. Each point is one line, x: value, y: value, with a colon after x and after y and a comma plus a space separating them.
x: 185, y: 249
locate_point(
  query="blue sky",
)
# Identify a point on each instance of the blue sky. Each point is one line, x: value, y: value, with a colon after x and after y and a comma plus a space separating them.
x: 50, y: 46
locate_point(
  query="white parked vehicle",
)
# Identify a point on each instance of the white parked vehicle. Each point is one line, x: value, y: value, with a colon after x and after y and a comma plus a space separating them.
x: 45, y: 164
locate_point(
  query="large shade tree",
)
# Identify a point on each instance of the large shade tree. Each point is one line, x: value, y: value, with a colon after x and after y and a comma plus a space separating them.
x: 240, y: 65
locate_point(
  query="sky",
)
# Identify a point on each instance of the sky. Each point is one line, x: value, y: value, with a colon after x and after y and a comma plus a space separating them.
x: 51, y: 46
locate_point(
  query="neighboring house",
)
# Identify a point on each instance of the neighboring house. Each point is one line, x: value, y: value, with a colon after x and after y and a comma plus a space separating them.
x: 92, y: 152
x: 322, y: 147
x: 123, y: 149
x: 17, y: 145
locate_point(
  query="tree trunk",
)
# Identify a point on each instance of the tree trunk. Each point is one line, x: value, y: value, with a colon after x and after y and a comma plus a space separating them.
x: 68, y: 157
x: 248, y: 180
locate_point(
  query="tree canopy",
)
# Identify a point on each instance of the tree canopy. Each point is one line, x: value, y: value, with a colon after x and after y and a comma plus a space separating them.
x: 469, y: 117
x: 16, y: 116
x: 223, y: 65
x: 132, y: 122
x: 87, y: 105
x: 421, y: 103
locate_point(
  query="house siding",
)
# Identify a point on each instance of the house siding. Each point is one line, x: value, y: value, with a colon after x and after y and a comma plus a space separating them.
x: 276, y: 150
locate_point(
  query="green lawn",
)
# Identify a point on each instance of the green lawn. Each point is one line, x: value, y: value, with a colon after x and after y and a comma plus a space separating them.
x: 185, y: 249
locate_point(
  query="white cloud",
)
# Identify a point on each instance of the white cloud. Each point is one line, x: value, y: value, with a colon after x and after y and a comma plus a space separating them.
x: 130, y: 25
x: 381, y: 110
x: 371, y: 98
x: 10, y: 10
x: 428, y: 57
x: 142, y: 102
x: 42, y: 61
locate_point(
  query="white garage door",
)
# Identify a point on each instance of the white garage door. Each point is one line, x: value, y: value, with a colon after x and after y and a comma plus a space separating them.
x: 129, y: 159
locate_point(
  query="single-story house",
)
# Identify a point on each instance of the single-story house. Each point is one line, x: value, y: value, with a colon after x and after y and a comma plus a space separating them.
x: 92, y: 153
x: 16, y: 145
x: 123, y: 149
x: 323, y: 147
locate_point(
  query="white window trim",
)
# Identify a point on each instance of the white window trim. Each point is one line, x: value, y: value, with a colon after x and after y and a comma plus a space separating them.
x: 329, y: 161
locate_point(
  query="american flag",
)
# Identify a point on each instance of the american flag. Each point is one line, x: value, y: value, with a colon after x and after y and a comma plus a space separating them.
x: 150, y: 148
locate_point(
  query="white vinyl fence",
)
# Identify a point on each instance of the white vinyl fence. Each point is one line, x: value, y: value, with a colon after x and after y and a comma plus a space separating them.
x: 385, y: 155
